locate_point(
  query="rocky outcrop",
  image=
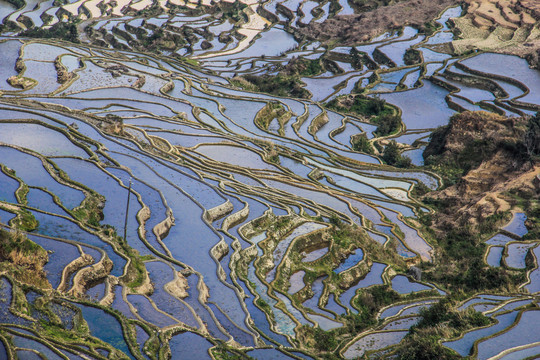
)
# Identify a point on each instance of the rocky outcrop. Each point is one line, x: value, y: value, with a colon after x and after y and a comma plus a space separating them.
x: 108, y: 299
x: 354, y: 275
x: 62, y: 75
x: 218, y: 212
x: 220, y: 250
x: 318, y: 122
x: 162, y: 229
x: 178, y: 287
x: 90, y: 275
x: 415, y: 273
x: 73, y: 266
x: 20, y: 82
x: 139, y: 83
x: 204, y: 292
x: 236, y: 218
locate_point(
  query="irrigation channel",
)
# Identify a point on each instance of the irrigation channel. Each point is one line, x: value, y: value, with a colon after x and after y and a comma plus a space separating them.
x: 233, y: 193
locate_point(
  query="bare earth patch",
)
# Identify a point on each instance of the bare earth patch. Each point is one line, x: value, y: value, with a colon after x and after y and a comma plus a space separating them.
x: 353, y: 29
x: 506, y: 26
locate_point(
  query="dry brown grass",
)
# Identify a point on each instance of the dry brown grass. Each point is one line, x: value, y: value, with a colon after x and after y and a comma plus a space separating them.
x: 506, y: 13
x: 508, y: 26
x: 353, y: 29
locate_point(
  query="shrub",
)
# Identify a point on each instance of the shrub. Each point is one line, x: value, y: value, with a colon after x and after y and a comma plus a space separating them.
x: 369, y: 106
x: 335, y: 220
x: 369, y: 302
x: 387, y: 124
x: 362, y: 105
x: 437, y: 321
x: 462, y: 266
x: 392, y: 156
x: 424, y: 347
x: 420, y: 189
x: 444, y: 312
x: 361, y: 143
x: 312, y: 67
x: 324, y: 341
x: 412, y: 57
x: 16, y: 242
x: 280, y: 85
x: 532, y: 136
x: 356, y: 59
x: 233, y: 10
x: 19, y: 4
x: 61, y: 30
x: 429, y: 28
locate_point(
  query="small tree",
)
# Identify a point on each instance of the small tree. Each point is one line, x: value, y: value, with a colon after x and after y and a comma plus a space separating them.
x: 356, y: 59
x: 387, y: 124
x: 391, y: 153
x: 532, y: 136
x: 361, y: 143
x: 392, y: 156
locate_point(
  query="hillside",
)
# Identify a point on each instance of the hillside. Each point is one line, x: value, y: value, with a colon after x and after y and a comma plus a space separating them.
x: 353, y: 29
x: 246, y: 180
x: 486, y: 156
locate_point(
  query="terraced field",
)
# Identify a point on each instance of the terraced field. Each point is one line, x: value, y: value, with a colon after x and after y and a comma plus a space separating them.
x: 162, y: 207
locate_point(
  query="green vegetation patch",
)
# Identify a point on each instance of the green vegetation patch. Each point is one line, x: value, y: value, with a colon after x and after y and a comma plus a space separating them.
x: 61, y: 30
x: 16, y: 241
x: 19, y: 4
x: 387, y: 124
x: 412, y: 57
x: 279, y: 85
x: 361, y: 143
x: 379, y: 112
x: 441, y: 320
x: 460, y: 265
x: 361, y: 105
x: 224, y: 352
x: 529, y: 201
x: 305, y: 67
x: 392, y: 156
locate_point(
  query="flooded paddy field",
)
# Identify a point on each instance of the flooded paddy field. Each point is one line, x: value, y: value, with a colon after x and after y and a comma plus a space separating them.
x: 180, y: 214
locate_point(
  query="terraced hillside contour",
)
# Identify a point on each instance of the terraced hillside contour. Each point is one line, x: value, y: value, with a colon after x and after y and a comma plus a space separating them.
x: 506, y: 26
x: 161, y: 198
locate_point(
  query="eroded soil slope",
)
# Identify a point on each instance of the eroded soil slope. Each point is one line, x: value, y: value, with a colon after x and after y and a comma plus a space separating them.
x: 352, y: 29
x: 495, y: 157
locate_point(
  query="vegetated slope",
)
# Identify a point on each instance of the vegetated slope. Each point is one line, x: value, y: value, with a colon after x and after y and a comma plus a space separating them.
x: 352, y: 29
x: 489, y: 164
x: 484, y: 155
x: 22, y: 258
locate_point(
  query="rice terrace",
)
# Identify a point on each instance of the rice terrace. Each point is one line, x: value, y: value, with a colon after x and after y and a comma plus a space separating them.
x: 273, y: 179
